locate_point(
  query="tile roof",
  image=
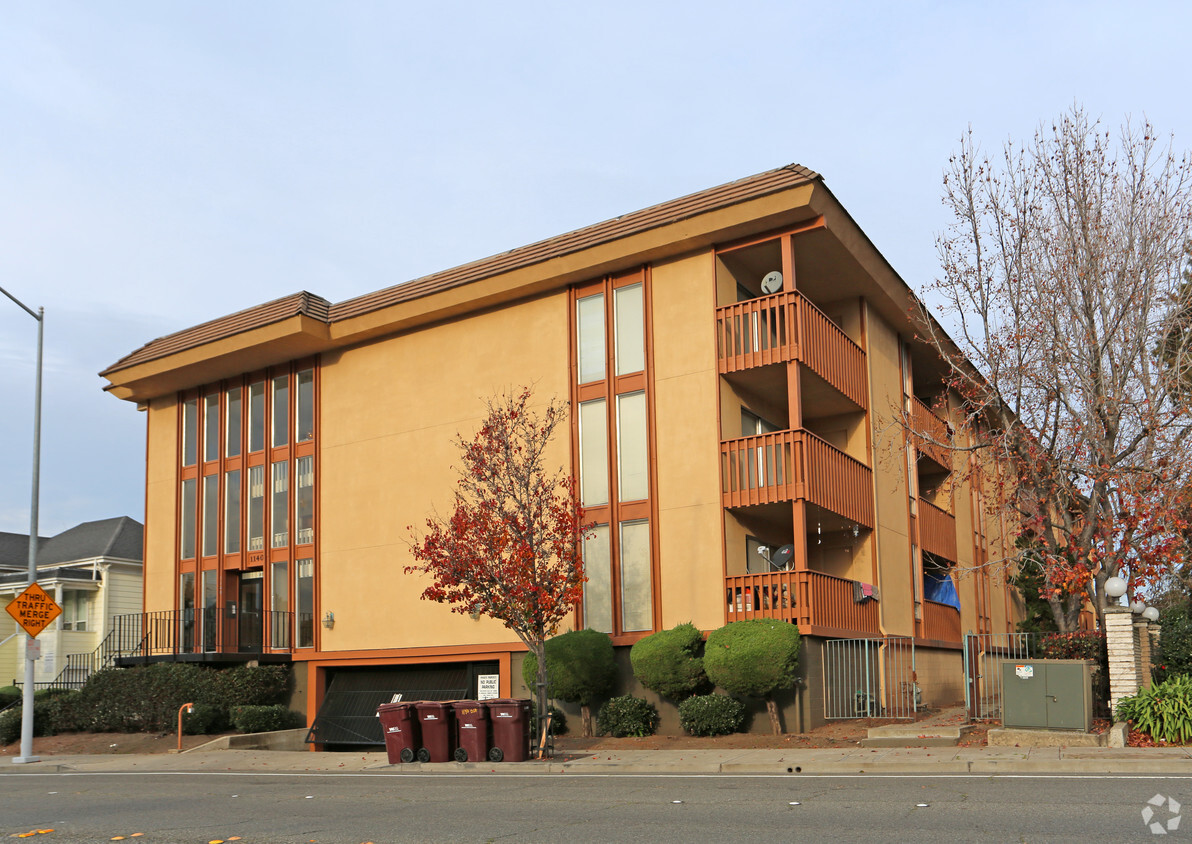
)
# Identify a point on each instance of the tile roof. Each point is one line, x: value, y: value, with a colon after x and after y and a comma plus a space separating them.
x: 308, y: 304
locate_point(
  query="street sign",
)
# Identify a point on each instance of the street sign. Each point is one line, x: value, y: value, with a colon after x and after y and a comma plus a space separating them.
x: 34, y: 609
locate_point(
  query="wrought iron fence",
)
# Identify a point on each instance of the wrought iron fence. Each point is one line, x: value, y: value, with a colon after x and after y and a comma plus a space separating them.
x: 870, y: 678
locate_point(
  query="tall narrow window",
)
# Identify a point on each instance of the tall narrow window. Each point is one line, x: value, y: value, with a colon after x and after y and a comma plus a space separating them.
x: 279, y: 513
x: 256, y: 416
x: 211, y: 427
x: 279, y: 604
x: 210, y: 610
x: 232, y: 426
x: 190, y: 431
x: 598, y: 597
x: 186, y: 611
x: 232, y: 512
x: 633, y: 468
x: 589, y: 318
x: 74, y: 610
x: 593, y: 453
x: 631, y: 334
x: 304, y: 501
x: 256, y: 508
x: 637, y: 608
x: 304, y: 602
x: 281, y: 410
x: 305, y: 405
x: 210, y: 515
x: 186, y: 528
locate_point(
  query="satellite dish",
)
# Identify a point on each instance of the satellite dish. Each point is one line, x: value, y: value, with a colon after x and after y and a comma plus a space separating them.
x: 780, y: 560
x: 772, y: 282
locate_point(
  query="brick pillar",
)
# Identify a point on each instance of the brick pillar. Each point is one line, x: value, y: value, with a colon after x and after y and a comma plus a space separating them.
x: 1123, y: 654
x: 1144, y: 652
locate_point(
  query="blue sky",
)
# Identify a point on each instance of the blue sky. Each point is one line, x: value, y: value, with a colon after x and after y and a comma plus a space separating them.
x: 162, y: 164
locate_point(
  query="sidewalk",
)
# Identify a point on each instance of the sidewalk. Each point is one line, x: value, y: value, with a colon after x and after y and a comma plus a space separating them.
x: 947, y: 760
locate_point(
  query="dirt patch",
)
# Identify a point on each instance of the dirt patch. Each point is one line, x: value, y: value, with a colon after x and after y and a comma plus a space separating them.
x: 67, y: 744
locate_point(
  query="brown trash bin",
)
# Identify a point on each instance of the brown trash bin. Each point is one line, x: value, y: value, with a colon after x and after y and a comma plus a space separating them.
x: 511, y: 729
x: 436, y: 724
x: 471, y: 730
x: 399, y: 723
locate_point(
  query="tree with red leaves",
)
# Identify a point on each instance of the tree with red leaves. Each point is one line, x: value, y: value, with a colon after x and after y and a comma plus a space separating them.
x: 1062, y: 288
x: 511, y: 547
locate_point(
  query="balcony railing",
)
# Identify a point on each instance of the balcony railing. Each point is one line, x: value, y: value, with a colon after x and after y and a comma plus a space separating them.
x: 932, y: 434
x: 937, y: 530
x: 786, y: 327
x: 790, y: 465
x: 809, y: 598
x: 222, y: 630
x: 941, y: 622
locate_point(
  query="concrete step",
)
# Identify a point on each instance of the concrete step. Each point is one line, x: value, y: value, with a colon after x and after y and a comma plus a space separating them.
x: 916, y: 735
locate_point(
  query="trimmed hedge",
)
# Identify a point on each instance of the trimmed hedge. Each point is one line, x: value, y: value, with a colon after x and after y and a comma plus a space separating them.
x: 711, y: 715
x: 580, y: 667
x: 264, y: 719
x: 627, y: 716
x: 670, y: 662
x: 753, y: 658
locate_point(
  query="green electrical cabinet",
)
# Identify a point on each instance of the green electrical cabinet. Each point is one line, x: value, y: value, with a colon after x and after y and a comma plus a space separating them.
x: 1047, y: 694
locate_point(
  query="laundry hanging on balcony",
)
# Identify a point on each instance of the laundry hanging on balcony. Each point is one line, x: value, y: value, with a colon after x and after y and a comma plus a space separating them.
x: 939, y: 587
x: 863, y: 592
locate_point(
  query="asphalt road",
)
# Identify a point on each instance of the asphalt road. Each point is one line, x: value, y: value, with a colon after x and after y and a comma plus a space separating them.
x: 384, y: 809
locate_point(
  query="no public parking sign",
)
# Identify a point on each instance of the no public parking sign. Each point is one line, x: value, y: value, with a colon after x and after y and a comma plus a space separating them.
x: 34, y: 609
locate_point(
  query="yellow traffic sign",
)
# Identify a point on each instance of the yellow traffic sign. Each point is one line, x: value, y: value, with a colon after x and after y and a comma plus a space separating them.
x: 34, y: 609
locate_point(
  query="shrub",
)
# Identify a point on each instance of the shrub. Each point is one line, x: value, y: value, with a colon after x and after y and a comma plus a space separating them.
x: 1164, y: 711
x: 1174, y: 655
x: 558, y: 722
x: 754, y: 658
x: 10, y: 725
x: 627, y: 716
x: 9, y: 695
x: 670, y: 662
x: 580, y: 667
x: 711, y: 715
x: 264, y: 719
x: 204, y: 720
x: 47, y: 718
x: 1082, y: 645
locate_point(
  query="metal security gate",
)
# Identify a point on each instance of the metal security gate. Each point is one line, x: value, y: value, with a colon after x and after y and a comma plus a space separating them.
x: 984, y: 654
x: 870, y: 678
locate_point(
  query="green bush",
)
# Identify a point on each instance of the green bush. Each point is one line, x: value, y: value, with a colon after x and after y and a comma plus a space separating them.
x: 10, y: 725
x: 1082, y: 645
x: 580, y: 667
x: 206, y: 718
x: 9, y: 695
x: 1173, y: 657
x: 711, y: 715
x: 558, y: 722
x: 753, y: 658
x: 264, y: 719
x: 1164, y: 711
x: 627, y: 716
x: 48, y: 718
x: 670, y: 662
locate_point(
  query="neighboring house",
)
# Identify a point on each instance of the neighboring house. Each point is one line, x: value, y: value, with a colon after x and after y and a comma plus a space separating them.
x: 93, y: 571
x: 736, y: 362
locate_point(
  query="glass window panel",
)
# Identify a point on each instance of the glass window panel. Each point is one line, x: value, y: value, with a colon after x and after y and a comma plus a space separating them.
x: 281, y: 410
x: 211, y: 427
x: 190, y: 431
x: 598, y: 592
x: 633, y: 477
x: 304, y: 602
x: 210, y: 515
x: 279, y: 514
x: 593, y: 453
x: 232, y: 512
x: 637, y: 604
x: 630, y: 329
x: 589, y: 321
x: 210, y: 619
x: 279, y: 604
x: 74, y: 611
x: 186, y: 542
x: 186, y: 607
x: 256, y: 508
x: 256, y: 416
x: 304, y: 501
x: 232, y: 437
x: 306, y: 405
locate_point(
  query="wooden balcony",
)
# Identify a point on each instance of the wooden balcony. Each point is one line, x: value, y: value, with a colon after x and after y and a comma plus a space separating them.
x: 941, y: 622
x: 931, y: 434
x: 791, y: 465
x: 787, y: 327
x: 937, y: 530
x: 817, y: 602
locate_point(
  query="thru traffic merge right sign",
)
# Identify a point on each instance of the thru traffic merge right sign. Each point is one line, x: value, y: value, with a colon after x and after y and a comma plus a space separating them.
x: 34, y: 609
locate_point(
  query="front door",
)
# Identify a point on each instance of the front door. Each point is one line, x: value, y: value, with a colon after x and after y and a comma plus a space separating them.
x: 251, y: 617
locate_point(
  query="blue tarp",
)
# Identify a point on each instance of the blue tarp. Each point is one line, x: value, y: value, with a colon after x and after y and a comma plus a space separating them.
x: 940, y: 588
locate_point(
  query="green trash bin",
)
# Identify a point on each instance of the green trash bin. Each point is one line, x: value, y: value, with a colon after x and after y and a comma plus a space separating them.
x: 399, y: 724
x: 436, y: 723
x: 511, y: 730
x: 471, y: 730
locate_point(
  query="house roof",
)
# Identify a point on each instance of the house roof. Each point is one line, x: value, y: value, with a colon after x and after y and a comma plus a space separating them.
x: 309, y: 305
x: 14, y: 550
x: 119, y: 538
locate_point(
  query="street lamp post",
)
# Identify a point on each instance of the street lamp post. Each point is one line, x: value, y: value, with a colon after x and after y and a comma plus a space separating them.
x: 27, y: 696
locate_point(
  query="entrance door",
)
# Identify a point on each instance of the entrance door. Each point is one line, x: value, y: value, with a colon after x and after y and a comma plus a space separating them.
x: 251, y: 616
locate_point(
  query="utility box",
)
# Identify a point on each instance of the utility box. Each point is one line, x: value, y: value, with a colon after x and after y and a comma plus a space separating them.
x: 1047, y: 694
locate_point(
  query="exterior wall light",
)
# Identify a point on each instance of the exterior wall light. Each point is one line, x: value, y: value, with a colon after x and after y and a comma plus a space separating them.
x: 329, y: 619
x: 1115, y: 587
